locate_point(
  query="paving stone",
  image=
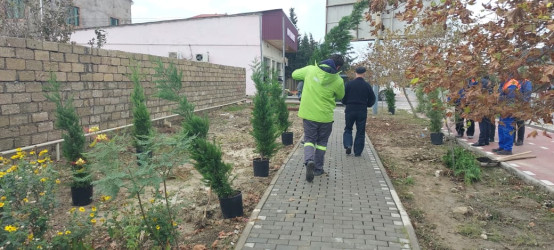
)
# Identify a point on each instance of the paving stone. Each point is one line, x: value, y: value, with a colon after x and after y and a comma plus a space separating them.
x: 349, y: 208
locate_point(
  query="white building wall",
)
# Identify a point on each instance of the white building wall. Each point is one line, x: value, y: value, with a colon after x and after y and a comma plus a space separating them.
x: 232, y: 41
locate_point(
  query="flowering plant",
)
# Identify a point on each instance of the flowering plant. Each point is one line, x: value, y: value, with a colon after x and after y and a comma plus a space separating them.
x: 27, y: 200
x: 98, y: 137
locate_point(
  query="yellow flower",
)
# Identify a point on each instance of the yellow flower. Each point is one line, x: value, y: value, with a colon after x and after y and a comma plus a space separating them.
x: 33, y: 162
x: 93, y: 221
x: 93, y: 208
x: 174, y: 224
x: 18, y: 149
x: 32, y: 152
x: 39, y: 247
x: 102, y: 220
x: 3, y: 198
x: 1, y: 158
x: 93, y: 129
x: 41, y: 160
x: 91, y: 215
x: 42, y: 179
x: 102, y: 137
x: 25, y: 200
x: 105, y: 198
x: 72, y: 210
x: 30, y: 236
x: 1, y: 204
x: 2, y: 174
x: 10, y: 228
x: 80, y: 162
x: 60, y: 233
x: 67, y: 232
x: 43, y: 152
x: 82, y: 209
x: 152, y: 200
x: 58, y: 181
x: 36, y: 171
x: 157, y: 227
x: 42, y: 193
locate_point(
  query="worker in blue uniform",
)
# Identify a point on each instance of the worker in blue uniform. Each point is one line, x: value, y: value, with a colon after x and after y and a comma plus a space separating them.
x: 508, y: 92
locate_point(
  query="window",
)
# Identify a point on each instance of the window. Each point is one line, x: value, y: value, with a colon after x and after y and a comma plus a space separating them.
x: 15, y: 9
x: 114, y: 21
x: 73, y: 17
x: 267, y: 65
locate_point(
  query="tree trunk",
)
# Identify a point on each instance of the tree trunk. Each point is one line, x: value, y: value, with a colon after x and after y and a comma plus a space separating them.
x: 409, y: 102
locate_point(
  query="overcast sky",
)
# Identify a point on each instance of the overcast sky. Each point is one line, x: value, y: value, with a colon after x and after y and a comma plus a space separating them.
x: 311, y: 13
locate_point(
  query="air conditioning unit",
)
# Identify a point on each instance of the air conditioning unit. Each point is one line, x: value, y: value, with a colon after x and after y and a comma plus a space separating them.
x: 173, y: 55
x: 201, y: 57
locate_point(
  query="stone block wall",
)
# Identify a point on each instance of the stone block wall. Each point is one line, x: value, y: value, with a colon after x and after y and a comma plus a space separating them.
x: 97, y: 80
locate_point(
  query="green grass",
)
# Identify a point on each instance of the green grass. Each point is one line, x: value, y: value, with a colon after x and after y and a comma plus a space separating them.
x: 471, y: 229
x: 234, y: 108
x: 526, y: 239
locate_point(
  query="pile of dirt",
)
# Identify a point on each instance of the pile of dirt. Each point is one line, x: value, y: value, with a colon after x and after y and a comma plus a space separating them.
x: 499, y: 212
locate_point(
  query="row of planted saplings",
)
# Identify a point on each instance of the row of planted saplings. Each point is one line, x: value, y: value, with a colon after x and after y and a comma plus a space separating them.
x: 269, y: 120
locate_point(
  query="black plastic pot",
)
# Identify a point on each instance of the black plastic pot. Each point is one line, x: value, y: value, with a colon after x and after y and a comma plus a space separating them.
x: 391, y: 111
x: 261, y: 167
x: 81, y: 196
x: 231, y: 207
x: 436, y: 138
x: 286, y: 138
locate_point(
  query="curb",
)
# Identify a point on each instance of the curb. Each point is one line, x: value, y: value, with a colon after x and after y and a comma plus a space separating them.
x: 527, y: 179
x: 257, y: 209
x: 403, y: 214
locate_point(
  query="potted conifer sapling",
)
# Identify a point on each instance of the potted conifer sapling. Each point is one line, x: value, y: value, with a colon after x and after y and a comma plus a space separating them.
x: 390, y: 99
x: 263, y: 121
x: 435, y: 115
x: 281, y: 111
x: 68, y: 120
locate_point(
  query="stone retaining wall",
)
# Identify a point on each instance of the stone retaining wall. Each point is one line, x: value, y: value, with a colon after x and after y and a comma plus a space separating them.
x: 97, y: 80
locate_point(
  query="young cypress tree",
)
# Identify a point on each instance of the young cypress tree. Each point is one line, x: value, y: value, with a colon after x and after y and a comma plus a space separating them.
x: 67, y: 120
x: 264, y: 128
x: 278, y: 99
x: 142, y: 129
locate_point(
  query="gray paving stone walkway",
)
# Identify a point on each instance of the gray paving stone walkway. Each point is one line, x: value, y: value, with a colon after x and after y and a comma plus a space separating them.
x: 353, y: 206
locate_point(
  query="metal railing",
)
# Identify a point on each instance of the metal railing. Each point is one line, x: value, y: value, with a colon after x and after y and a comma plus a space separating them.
x: 57, y: 142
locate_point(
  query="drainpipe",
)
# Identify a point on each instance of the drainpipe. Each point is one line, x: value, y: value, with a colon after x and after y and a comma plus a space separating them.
x: 41, y: 11
x: 283, y: 61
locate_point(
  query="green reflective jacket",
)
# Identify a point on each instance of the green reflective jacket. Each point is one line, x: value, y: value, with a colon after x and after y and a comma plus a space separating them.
x: 320, y: 91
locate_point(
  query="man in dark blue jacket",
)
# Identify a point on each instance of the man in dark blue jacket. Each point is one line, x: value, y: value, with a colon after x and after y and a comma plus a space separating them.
x: 358, y: 96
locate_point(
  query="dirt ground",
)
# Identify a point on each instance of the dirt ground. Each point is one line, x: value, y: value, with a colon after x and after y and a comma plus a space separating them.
x: 230, y: 128
x: 499, y: 212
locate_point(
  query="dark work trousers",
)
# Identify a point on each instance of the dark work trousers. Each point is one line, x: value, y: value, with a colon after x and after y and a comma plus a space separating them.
x: 519, y: 131
x: 359, y: 118
x: 492, y: 130
x: 484, y: 131
x: 460, y: 125
x: 316, y: 135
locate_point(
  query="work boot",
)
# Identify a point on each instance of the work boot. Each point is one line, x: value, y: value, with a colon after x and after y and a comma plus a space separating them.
x: 504, y: 152
x: 348, y: 150
x: 519, y: 143
x: 479, y: 144
x: 496, y: 150
x: 318, y: 172
x: 310, y: 166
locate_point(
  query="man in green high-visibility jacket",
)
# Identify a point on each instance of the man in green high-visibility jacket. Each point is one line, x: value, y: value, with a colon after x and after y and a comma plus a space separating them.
x: 322, y: 87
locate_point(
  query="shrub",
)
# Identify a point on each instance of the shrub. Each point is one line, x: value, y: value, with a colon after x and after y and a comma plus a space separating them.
x: 109, y: 160
x: 27, y: 200
x: 391, y: 101
x: 463, y: 163
x: 263, y: 121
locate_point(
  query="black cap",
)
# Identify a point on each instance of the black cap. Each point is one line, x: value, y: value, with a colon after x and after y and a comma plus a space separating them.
x: 360, y: 70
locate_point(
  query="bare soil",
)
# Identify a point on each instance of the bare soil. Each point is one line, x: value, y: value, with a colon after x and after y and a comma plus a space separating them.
x: 201, y: 224
x: 499, y: 212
